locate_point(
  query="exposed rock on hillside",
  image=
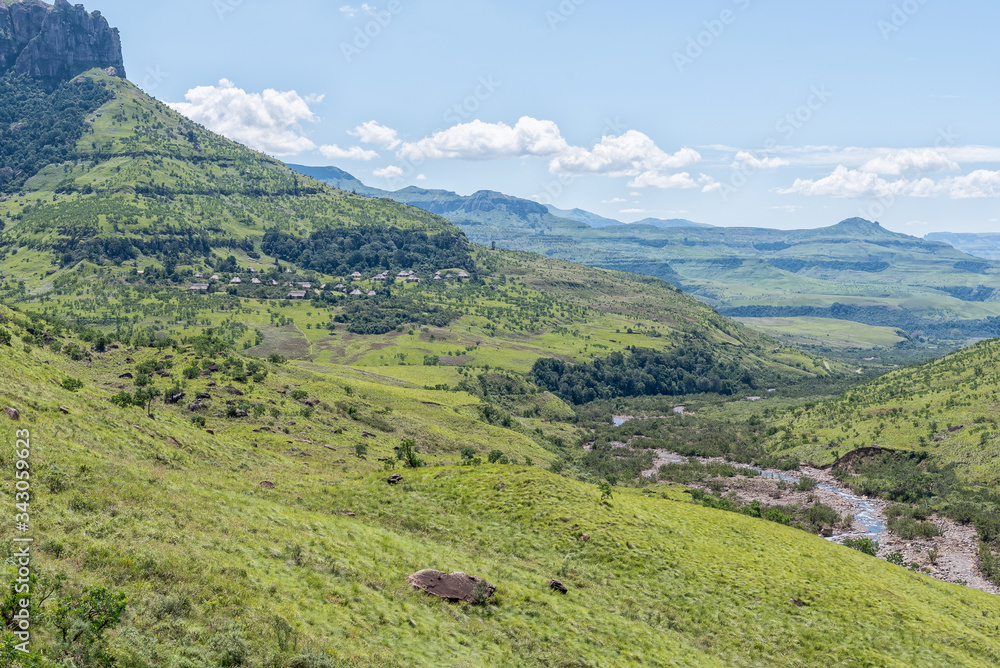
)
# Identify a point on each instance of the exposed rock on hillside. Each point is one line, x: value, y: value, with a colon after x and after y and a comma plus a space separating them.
x: 56, y: 42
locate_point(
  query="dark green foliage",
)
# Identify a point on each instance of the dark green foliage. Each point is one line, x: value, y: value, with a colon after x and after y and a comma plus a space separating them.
x: 864, y: 545
x: 642, y: 372
x: 72, y: 384
x: 370, y: 249
x: 805, y: 484
x: 4, y: 336
x: 38, y: 128
x: 497, y: 457
x: 386, y: 312
x: 904, y: 477
x: 895, y: 558
x: 407, y: 454
x: 820, y: 515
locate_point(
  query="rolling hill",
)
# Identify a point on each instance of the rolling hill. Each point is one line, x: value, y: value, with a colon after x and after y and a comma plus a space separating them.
x: 217, y: 367
x: 777, y: 280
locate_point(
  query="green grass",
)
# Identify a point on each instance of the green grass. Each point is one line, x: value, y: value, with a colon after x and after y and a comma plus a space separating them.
x: 208, y: 557
x: 825, y: 332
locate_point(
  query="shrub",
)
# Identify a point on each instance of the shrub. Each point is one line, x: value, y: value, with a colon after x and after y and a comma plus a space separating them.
x: 72, y: 384
x: 480, y: 593
x: 806, y: 484
x: 820, y: 515
x: 895, y: 558
x: 496, y: 456
x: 865, y: 545
x: 277, y: 359
x: 361, y: 449
x: 4, y: 337
x: 191, y: 372
x: 408, y: 454
x: 300, y: 395
x: 198, y: 421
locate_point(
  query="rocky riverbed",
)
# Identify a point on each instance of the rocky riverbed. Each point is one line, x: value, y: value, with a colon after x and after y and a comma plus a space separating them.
x: 957, y: 550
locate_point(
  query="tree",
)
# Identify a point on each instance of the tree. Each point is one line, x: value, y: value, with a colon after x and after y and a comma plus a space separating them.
x: 145, y: 396
x: 408, y: 454
x: 83, y: 620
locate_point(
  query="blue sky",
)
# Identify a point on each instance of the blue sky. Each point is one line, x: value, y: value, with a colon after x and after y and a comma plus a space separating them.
x: 730, y: 112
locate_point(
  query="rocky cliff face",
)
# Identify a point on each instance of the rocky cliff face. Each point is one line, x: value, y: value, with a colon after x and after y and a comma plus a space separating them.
x: 56, y: 42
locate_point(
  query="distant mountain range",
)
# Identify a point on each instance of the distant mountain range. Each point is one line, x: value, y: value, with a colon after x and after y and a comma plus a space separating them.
x: 981, y: 245
x: 855, y: 270
x: 494, y: 214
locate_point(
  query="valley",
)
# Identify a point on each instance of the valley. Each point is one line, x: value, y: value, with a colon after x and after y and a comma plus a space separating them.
x: 244, y: 402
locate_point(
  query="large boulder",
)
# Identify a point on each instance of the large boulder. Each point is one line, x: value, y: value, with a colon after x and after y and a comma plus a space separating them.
x: 450, y: 586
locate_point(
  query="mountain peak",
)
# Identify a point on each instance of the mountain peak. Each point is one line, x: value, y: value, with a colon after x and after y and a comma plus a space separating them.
x: 57, y: 42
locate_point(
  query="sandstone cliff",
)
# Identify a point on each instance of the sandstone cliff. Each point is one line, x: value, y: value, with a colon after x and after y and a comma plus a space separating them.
x: 56, y: 42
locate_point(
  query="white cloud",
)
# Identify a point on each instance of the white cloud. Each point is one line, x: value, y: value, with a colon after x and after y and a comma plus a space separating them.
x: 614, y: 200
x: 632, y: 211
x: 267, y: 121
x: 978, y: 184
x: 488, y: 141
x: 334, y: 152
x: 665, y: 181
x: 373, y: 132
x: 844, y: 182
x: 788, y: 208
x: 746, y: 161
x: 629, y: 154
x: 390, y: 172
x: 421, y: 177
x: 910, y: 162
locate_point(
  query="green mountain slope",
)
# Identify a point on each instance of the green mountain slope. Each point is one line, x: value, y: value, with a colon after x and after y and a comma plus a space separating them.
x: 220, y: 570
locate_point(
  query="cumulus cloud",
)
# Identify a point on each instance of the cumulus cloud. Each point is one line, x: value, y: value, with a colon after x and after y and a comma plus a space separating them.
x: 844, y: 182
x: 680, y: 181
x: 746, y: 161
x: 390, y: 172
x: 335, y: 152
x: 909, y: 162
x: 488, y: 141
x: 375, y: 133
x: 628, y: 154
x: 267, y: 121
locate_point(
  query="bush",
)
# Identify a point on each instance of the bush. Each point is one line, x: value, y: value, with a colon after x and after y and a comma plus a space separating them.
x: 864, y: 545
x: 361, y: 449
x: 72, y: 384
x: 895, y: 558
x: 495, y: 456
x: 806, y: 484
x: 408, y: 454
x: 198, y: 421
x: 4, y: 337
x: 821, y: 515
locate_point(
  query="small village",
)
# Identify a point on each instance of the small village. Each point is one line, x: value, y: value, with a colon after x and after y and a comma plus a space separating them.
x: 352, y: 286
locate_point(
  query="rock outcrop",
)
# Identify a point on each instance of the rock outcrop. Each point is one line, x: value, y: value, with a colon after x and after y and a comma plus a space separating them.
x: 54, y: 43
x: 451, y: 586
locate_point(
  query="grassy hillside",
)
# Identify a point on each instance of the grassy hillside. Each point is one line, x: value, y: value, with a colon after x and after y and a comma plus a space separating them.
x: 980, y: 245
x: 219, y: 570
x: 947, y: 408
